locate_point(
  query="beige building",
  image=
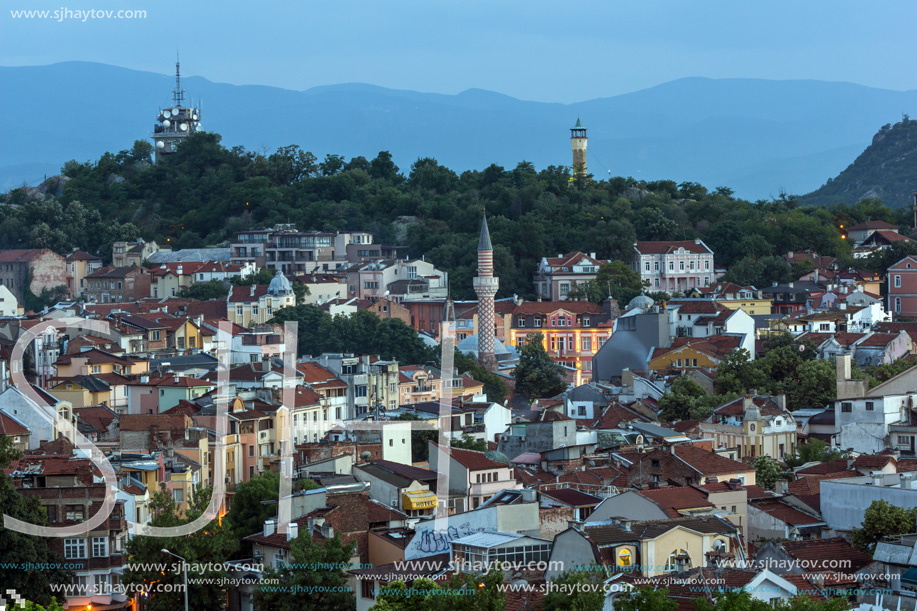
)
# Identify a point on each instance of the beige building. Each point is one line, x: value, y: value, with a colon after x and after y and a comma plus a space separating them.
x: 256, y: 304
x: 126, y: 254
x: 79, y: 265
x: 755, y: 426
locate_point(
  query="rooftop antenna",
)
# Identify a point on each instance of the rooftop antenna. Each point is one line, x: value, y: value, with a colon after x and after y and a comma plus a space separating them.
x: 178, y: 96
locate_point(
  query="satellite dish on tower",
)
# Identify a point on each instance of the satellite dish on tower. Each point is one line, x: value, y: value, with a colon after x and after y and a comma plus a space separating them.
x: 175, y: 111
x: 166, y: 123
x: 160, y: 144
x: 166, y: 114
x: 183, y: 127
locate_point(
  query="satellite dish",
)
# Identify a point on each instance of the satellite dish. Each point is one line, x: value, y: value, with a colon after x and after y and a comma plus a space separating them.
x: 160, y: 144
x: 166, y: 114
x: 194, y: 116
x: 166, y: 123
x: 183, y: 127
x: 175, y: 111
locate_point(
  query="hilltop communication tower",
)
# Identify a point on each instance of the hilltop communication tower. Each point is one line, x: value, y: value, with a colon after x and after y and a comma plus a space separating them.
x: 176, y: 123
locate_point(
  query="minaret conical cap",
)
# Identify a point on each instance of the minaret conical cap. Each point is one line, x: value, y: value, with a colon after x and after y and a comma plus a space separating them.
x: 484, y: 243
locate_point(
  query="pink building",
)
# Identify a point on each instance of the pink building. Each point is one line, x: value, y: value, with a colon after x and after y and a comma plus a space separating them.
x: 902, y: 288
x: 674, y: 266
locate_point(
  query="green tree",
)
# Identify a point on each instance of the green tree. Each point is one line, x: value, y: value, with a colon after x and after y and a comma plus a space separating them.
x: 584, y: 591
x: 767, y: 472
x: 214, y: 541
x: 399, y: 596
x: 251, y: 506
x: 882, y: 519
x: 310, y: 590
x: 614, y: 279
x: 205, y: 291
x: 262, y: 276
x: 645, y: 599
x: 467, y: 442
x: 732, y: 600
x: 814, y: 450
x: 494, y: 386
x: 537, y: 375
x: 18, y: 548
x: 488, y: 595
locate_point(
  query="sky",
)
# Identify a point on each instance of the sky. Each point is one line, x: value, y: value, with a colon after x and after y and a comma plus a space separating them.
x: 557, y: 51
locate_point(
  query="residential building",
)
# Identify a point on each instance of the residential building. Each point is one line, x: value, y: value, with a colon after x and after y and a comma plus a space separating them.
x: 256, y: 304
x: 684, y: 465
x: 399, y: 279
x: 673, y: 266
x: 118, y: 284
x: 844, y: 501
x: 283, y: 248
x: 648, y: 547
x: 747, y: 298
x: 33, y: 271
x: 556, y: 276
x: 133, y: 254
x: 902, y: 288
x: 706, y: 317
x: 407, y: 488
x: 473, y: 478
x: 572, y: 331
x: 79, y: 265
x: 637, y: 333
x: 688, y: 353
x: 755, y: 426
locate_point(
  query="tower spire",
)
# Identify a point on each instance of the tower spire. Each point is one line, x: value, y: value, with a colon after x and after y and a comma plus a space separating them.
x: 578, y: 141
x: 486, y: 285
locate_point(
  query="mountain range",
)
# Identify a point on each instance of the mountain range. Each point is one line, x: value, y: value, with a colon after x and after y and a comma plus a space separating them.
x: 758, y: 137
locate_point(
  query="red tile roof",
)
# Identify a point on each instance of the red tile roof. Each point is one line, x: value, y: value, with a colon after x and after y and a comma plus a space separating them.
x: 811, y: 484
x: 675, y: 498
x: 779, y: 510
x: 549, y: 307
x: 9, y: 426
x: 821, y: 555
x: 658, y: 248
x: 708, y: 463
x: 470, y: 459
x: 832, y: 466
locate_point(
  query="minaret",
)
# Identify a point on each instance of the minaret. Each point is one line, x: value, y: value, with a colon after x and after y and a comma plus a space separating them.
x: 485, y: 285
x: 176, y: 123
x: 578, y: 141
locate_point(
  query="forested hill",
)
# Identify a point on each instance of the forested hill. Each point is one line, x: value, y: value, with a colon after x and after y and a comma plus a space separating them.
x: 887, y: 169
x: 204, y: 193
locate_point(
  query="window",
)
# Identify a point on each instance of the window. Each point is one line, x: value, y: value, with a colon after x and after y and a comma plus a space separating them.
x: 691, y: 266
x: 601, y: 341
x: 102, y: 584
x: 707, y: 265
x: 681, y: 266
x: 537, y: 322
x: 370, y: 285
x: 74, y: 513
x: 412, y: 272
x: 96, y: 369
x: 178, y: 495
x: 368, y: 589
x: 587, y: 344
x: 74, y: 548
x: 647, y: 266
x: 671, y: 266
x: 254, y: 310
x: 360, y: 391
x: 99, y: 547
x: 238, y: 310
x: 561, y: 321
x: 586, y: 321
x: 869, y: 406
x: 520, y: 322
x: 846, y: 407
x: 656, y: 266
x: 824, y: 326
x: 678, y: 362
x: 654, y: 463
x: 656, y: 283
x: 898, y: 304
x: 897, y: 281
x: 251, y: 451
x: 694, y: 362
x: 564, y: 288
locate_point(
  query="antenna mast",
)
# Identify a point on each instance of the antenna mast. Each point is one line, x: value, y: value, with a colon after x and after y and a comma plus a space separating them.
x: 178, y: 96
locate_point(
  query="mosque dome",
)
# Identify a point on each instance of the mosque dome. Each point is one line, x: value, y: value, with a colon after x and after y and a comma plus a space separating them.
x: 280, y: 286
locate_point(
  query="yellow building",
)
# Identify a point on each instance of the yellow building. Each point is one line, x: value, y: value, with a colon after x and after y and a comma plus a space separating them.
x: 755, y: 426
x: 95, y: 361
x: 256, y: 304
x: 735, y: 297
x: 693, y: 353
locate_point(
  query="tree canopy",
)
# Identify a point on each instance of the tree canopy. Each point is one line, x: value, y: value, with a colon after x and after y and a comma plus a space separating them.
x: 882, y: 519
x: 537, y: 375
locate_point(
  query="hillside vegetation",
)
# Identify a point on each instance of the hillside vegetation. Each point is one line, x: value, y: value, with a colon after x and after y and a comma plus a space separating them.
x: 204, y: 193
x: 886, y: 170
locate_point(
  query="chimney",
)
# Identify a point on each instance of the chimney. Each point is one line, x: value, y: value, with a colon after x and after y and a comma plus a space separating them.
x: 843, y: 368
x: 877, y: 478
x: 268, y: 528
x: 780, y: 399
x: 592, y: 255
x: 178, y: 269
x: 251, y: 291
x: 175, y: 379
x: 327, y: 530
x: 790, y: 284
x: 292, y: 531
x: 746, y: 402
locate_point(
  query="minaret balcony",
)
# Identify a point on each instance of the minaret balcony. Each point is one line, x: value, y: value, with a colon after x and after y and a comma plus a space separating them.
x: 486, y: 282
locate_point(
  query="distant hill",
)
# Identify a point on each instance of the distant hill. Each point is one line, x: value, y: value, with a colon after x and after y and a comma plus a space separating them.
x: 887, y: 169
x: 758, y: 137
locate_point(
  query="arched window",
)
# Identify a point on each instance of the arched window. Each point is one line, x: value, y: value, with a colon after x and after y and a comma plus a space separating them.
x: 898, y: 304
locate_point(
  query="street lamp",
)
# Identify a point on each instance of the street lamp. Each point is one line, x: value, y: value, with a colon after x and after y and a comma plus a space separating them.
x: 184, y: 566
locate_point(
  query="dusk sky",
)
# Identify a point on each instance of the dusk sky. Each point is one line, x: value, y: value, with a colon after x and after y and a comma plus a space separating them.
x: 533, y: 49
